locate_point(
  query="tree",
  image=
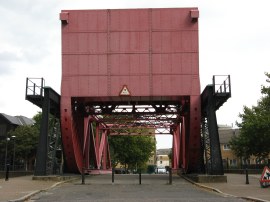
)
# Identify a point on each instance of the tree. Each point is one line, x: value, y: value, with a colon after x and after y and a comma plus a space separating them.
x: 26, y: 143
x: 27, y: 140
x: 254, y: 137
x: 131, y: 151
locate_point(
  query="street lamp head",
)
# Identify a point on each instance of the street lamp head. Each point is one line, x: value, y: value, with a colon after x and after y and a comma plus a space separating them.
x: 8, y: 138
x: 13, y: 136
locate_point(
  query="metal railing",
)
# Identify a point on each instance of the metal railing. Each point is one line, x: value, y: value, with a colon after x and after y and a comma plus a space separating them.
x: 34, y: 86
x: 222, y: 84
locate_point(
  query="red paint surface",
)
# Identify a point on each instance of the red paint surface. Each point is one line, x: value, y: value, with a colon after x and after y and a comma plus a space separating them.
x: 153, y: 52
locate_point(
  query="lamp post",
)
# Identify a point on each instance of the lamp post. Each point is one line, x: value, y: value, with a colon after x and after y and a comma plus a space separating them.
x: 13, y: 160
x: 6, y: 154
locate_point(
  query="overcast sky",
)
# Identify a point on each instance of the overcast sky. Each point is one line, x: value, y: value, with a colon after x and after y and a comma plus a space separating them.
x: 234, y: 39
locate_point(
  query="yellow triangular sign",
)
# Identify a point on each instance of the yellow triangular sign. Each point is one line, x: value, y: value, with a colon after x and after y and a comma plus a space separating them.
x: 124, y: 91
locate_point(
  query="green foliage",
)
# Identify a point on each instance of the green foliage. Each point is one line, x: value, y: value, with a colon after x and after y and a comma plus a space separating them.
x: 254, y: 138
x: 131, y: 151
x: 26, y: 141
x: 151, y: 169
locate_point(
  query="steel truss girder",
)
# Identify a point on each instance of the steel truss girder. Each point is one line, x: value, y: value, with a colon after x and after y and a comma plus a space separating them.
x: 180, y: 154
x: 53, y: 145
x: 206, y: 144
x: 124, y: 119
x: 131, y: 119
x: 140, y: 131
x: 133, y: 107
x: 121, y: 117
x: 96, y: 154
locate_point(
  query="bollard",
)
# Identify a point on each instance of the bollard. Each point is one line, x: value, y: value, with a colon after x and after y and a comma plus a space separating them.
x: 113, y: 175
x: 83, y: 176
x: 7, y: 172
x: 170, y: 175
x: 140, y: 177
x: 247, y: 181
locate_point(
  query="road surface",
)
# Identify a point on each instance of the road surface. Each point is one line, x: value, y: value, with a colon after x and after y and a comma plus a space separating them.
x: 126, y: 188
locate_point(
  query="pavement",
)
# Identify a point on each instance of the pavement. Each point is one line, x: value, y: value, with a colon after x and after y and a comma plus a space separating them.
x: 236, y: 186
x: 21, y: 188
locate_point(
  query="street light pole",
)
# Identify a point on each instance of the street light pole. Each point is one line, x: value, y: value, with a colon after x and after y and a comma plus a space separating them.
x: 6, y: 154
x: 13, y: 161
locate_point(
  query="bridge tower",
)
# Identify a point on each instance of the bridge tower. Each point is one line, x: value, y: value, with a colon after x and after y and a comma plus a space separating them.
x: 127, y: 70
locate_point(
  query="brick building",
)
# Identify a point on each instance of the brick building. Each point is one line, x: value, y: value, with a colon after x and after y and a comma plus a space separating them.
x: 230, y: 160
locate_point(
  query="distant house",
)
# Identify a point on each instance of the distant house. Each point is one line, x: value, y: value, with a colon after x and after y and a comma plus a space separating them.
x: 230, y: 160
x: 163, y: 157
x: 8, y: 123
x: 152, y: 159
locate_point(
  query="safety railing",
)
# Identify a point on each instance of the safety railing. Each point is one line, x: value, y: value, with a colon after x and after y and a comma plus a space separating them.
x: 222, y: 84
x: 34, y: 87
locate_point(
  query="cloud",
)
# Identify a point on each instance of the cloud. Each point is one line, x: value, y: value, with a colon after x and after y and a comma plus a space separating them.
x: 233, y: 36
x: 9, y: 56
x: 7, y: 60
x: 27, y: 26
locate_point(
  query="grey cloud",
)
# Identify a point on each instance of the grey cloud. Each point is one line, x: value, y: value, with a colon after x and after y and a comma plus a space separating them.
x: 6, y: 60
x: 27, y: 25
x: 8, y: 56
x: 5, y: 68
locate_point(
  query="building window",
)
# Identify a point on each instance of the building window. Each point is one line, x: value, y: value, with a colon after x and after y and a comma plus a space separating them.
x: 3, y: 129
x: 160, y: 162
x: 226, y: 147
x: 233, y: 162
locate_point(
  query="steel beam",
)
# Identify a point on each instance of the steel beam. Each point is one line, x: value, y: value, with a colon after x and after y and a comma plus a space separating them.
x: 41, y: 158
x: 176, y: 148
x: 215, y: 158
x: 183, y: 145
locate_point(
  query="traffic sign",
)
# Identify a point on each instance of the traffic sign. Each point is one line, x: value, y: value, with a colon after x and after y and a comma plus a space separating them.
x: 125, y: 91
x: 265, y: 178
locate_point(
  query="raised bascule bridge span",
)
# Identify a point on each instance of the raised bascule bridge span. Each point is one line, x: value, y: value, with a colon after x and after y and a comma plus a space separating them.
x: 132, y: 72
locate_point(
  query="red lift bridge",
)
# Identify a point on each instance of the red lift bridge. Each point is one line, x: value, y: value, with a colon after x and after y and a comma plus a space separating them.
x: 125, y: 71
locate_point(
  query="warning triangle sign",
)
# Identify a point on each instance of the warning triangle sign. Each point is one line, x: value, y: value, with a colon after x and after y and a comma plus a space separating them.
x: 265, y: 175
x: 125, y: 91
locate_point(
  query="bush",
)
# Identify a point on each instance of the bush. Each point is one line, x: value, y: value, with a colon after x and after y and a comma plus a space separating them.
x: 151, y: 169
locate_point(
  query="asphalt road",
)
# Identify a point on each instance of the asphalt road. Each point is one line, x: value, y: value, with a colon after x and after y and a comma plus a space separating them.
x: 126, y: 188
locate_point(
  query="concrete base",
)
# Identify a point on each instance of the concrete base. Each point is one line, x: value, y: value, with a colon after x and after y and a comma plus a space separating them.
x: 177, y: 172
x: 99, y: 172
x: 208, y: 178
x: 52, y: 178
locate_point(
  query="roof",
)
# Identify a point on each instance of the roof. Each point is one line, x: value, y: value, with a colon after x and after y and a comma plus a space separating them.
x: 24, y: 120
x: 163, y: 151
x: 225, y: 134
x: 17, y: 120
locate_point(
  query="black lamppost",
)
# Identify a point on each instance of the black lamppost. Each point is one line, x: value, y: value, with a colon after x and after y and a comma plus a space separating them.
x: 6, y: 154
x: 13, y: 160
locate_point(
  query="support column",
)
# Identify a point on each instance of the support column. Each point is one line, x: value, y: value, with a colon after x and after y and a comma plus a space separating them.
x: 216, y: 159
x: 86, y: 142
x: 41, y: 159
x: 101, y: 147
x: 105, y: 152
x: 183, y: 144
x: 97, y: 145
x: 176, y: 148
